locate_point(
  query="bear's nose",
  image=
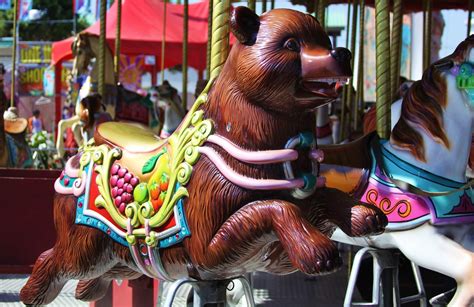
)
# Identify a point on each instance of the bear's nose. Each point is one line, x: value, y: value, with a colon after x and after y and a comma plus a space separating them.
x: 341, y: 54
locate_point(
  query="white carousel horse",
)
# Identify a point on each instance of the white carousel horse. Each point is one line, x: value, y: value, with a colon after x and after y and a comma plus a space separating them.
x: 84, y: 49
x: 166, y: 97
x: 418, y: 177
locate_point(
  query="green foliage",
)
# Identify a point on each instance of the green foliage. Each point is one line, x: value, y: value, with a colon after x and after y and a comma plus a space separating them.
x: 56, y: 24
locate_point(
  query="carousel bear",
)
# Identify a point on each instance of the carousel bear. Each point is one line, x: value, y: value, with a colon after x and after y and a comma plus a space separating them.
x: 233, y: 190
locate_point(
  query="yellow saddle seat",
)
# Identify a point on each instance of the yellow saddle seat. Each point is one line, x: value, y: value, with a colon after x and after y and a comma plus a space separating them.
x: 138, y: 144
x: 130, y: 137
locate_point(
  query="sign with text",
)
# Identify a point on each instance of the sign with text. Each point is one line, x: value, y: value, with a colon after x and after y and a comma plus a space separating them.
x: 35, y: 52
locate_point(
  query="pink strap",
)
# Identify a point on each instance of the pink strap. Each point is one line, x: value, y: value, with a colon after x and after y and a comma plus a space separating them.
x: 255, y: 157
x: 247, y: 182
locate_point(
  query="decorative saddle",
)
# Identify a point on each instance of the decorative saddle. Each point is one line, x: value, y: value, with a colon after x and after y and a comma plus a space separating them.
x: 406, y: 209
x: 131, y: 184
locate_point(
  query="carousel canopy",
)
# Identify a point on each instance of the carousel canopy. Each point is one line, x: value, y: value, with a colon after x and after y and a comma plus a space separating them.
x: 142, y: 32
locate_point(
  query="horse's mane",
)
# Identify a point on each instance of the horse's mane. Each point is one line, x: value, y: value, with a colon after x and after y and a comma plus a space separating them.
x: 423, y: 106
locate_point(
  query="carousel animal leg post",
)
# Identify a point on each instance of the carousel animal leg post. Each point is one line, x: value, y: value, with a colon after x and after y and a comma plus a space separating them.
x: 451, y: 258
x: 77, y: 131
x: 90, y: 256
x: 309, y: 250
x: 62, y: 126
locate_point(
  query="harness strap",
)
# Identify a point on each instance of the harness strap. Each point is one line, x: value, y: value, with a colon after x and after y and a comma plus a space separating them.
x: 403, y: 185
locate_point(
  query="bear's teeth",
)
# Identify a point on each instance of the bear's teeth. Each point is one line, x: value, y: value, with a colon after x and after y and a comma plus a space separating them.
x: 333, y: 80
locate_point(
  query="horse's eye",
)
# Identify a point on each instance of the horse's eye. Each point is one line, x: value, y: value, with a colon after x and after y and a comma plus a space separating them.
x: 292, y: 44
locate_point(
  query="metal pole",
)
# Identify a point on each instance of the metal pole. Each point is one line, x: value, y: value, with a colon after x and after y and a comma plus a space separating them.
x: 469, y: 17
x: 273, y: 4
x: 185, y: 54
x: 342, y: 122
x: 209, y: 35
x: 264, y: 6
x: 251, y: 4
x: 14, y: 52
x: 316, y: 5
x: 220, y: 36
x: 321, y: 12
x: 163, y: 43
x: 359, y: 102
x: 117, y: 41
x: 102, y: 46
x: 383, y: 93
x: 427, y: 34
x: 396, y: 47
x: 350, y: 97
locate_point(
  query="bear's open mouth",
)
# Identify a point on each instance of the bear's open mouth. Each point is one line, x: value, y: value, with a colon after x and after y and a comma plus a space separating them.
x: 320, y: 91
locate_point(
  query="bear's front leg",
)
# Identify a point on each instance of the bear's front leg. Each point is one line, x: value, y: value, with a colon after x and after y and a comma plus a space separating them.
x: 309, y: 250
x: 353, y: 217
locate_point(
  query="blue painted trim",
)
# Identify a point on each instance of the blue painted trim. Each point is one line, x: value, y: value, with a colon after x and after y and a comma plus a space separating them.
x: 418, y: 172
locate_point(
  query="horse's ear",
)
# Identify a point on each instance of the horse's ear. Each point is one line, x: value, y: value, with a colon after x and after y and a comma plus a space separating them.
x: 244, y: 24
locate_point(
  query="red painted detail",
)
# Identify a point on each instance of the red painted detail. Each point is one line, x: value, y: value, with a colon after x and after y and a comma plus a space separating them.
x: 80, y: 204
x: 93, y: 193
x: 35, y: 213
x: 324, y: 131
x: 130, y: 293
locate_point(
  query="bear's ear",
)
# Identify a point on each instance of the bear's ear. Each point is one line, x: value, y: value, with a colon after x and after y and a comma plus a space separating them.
x: 244, y: 24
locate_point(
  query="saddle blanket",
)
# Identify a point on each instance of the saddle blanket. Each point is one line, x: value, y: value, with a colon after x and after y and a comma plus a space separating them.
x: 406, y: 210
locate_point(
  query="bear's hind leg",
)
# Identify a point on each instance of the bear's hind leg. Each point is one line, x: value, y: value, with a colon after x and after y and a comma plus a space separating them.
x: 45, y: 282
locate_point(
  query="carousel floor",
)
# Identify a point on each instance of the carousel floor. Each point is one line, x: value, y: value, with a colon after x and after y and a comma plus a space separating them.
x: 291, y: 290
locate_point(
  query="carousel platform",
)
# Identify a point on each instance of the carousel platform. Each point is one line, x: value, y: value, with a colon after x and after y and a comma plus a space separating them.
x: 291, y: 290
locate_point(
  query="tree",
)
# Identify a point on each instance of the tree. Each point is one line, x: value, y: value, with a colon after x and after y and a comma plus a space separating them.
x: 56, y: 23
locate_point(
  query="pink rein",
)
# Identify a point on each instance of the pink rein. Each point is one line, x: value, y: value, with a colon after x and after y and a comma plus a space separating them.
x: 257, y: 157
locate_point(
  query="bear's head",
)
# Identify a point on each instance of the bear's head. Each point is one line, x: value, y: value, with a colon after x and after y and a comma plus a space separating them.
x: 284, y: 61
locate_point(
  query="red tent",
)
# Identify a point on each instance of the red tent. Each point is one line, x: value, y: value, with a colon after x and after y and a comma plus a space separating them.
x: 142, y: 32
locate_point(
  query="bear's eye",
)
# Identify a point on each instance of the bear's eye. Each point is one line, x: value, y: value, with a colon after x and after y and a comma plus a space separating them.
x: 292, y: 45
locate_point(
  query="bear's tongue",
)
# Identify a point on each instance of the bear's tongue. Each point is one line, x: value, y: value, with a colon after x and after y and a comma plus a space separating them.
x: 329, y: 88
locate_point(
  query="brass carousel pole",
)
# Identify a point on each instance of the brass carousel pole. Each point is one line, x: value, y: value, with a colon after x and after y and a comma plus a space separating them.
x: 209, y: 35
x: 163, y: 42
x: 383, y: 93
x: 101, y: 59
x: 117, y: 42
x: 427, y: 34
x: 220, y: 36
x: 251, y: 4
x: 14, y: 51
x: 359, y: 105
x: 396, y: 47
x: 345, y: 93
x: 350, y: 99
x: 321, y: 12
x: 316, y: 5
x: 469, y: 16
x: 185, y: 54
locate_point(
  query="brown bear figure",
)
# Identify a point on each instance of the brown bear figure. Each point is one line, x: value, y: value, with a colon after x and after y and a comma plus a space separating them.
x: 282, y: 68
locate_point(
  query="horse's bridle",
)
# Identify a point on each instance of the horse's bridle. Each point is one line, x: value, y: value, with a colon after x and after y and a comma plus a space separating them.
x: 464, y: 74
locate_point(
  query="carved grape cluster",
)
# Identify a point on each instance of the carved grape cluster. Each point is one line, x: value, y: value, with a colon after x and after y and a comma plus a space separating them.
x: 122, y: 183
